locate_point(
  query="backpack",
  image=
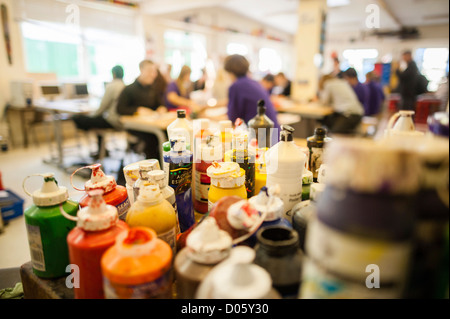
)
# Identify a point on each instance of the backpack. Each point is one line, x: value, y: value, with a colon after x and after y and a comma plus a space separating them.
x: 421, y: 84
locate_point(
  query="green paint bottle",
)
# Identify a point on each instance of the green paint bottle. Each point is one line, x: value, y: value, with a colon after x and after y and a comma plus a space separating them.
x: 47, y: 228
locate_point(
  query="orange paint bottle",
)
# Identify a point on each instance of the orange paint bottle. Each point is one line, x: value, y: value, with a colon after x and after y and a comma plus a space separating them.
x: 138, y: 266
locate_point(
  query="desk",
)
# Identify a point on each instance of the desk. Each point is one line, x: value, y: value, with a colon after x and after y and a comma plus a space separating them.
x: 59, y: 107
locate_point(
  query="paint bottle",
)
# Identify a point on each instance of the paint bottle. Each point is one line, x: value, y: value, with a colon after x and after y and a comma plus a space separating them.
x: 183, y: 125
x: 365, y: 223
x: 179, y: 172
x: 115, y: 195
x: 268, y: 203
x: 261, y: 127
x: 138, y: 266
x: 206, y: 246
x: 210, y: 152
x: 316, y: 145
x: 227, y: 179
x: 237, y: 278
x: 260, y: 170
x: 226, y: 133
x: 277, y: 252
x: 47, y: 228
x: 98, y: 226
x: 152, y: 210
x: 238, y: 218
x: 307, y: 180
x: 145, y: 168
x: 131, y: 173
x: 246, y: 160
x: 285, y: 163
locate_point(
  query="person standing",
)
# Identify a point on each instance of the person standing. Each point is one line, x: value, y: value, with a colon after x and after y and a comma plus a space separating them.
x: 376, y: 94
x: 408, y: 76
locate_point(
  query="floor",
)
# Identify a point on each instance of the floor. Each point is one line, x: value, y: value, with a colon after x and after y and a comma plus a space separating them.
x: 18, y: 163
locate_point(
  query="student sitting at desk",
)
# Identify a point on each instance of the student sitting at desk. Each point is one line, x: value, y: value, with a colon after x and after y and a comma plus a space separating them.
x: 144, y: 95
x: 178, y: 92
x: 105, y: 116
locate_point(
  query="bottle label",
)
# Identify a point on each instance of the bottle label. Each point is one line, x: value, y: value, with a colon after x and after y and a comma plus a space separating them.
x: 123, y: 208
x: 36, y: 249
x: 316, y: 160
x: 202, y: 184
x: 157, y: 289
x: 180, y: 177
x: 170, y: 237
x: 210, y: 205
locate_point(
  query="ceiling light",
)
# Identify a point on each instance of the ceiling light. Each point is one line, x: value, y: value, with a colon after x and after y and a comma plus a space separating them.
x: 337, y: 3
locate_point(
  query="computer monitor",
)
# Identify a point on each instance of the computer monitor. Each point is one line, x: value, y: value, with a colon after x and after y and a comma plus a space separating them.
x: 81, y: 90
x: 50, y: 91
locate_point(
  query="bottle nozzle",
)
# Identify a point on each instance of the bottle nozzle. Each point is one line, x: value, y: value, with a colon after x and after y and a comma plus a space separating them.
x: 286, y: 134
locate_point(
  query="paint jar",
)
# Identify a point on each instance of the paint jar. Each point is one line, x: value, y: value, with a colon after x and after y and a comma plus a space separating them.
x: 131, y: 173
x: 145, y: 167
x: 237, y: 278
x: 115, y: 195
x: 138, y: 266
x: 206, y: 246
x: 365, y: 222
x: 98, y: 226
x: 227, y: 179
x: 47, y: 228
x: 277, y: 252
x: 316, y: 145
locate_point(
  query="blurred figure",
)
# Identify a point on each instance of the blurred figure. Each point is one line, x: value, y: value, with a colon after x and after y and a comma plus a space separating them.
x: 442, y: 93
x: 376, y: 94
x: 220, y: 87
x: 268, y: 83
x: 178, y: 92
x: 337, y: 72
x: 283, y: 83
x: 407, y: 76
x: 144, y: 96
x: 200, y: 84
x: 106, y: 115
x: 167, y: 73
x: 348, y: 111
x: 244, y: 93
x: 361, y: 90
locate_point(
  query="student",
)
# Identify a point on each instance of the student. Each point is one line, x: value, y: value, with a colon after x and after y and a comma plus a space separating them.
x: 268, y: 83
x: 178, y: 92
x: 361, y: 90
x: 283, y: 83
x: 376, y: 94
x: 244, y: 93
x: 200, y: 84
x: 105, y: 116
x: 144, y: 95
x: 408, y: 75
x: 348, y: 111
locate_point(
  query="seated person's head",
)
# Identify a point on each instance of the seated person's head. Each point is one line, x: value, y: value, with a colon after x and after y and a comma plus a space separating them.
x: 117, y: 72
x: 372, y: 76
x: 149, y: 72
x: 268, y: 82
x: 407, y: 56
x: 236, y: 65
x: 280, y: 79
x: 351, y: 75
x: 185, y: 74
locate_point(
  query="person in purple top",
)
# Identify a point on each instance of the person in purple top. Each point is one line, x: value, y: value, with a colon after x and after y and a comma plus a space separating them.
x: 377, y: 96
x: 177, y: 92
x: 361, y: 90
x: 244, y: 93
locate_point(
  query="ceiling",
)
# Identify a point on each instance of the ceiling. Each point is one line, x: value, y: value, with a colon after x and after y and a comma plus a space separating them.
x: 283, y: 14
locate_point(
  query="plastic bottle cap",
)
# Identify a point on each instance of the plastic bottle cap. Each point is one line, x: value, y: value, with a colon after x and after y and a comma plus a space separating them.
x: 150, y: 193
x: 242, y: 215
x: 268, y: 201
x: 157, y: 177
x: 286, y: 133
x: 131, y: 171
x: 242, y: 281
x: 99, y: 180
x: 50, y: 193
x: 97, y: 215
x: 178, y: 144
x: 181, y: 114
x: 240, y: 141
x: 137, y: 241
x: 166, y: 146
x: 307, y: 177
x: 320, y: 131
x: 226, y: 175
x: 207, y: 243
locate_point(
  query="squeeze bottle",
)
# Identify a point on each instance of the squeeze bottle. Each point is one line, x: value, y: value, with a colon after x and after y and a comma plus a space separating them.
x: 138, y: 266
x: 181, y: 122
x: 152, y: 210
x: 206, y: 246
x: 285, y: 163
x: 98, y: 225
x: 144, y: 170
x: 131, y: 173
x: 115, y: 195
x: 47, y: 228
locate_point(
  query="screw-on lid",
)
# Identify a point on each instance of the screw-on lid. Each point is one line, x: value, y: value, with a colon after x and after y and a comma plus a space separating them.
x: 97, y: 215
x: 286, y: 133
x: 207, y: 243
x: 50, y: 193
x: 150, y: 194
x: 261, y: 107
x: 226, y: 174
x: 157, y: 177
x: 268, y: 201
x: 181, y: 114
x: 320, y: 131
x: 242, y: 215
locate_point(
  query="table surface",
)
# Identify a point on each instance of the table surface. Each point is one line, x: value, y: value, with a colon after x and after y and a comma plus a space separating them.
x: 140, y: 122
x: 307, y: 110
x: 75, y: 106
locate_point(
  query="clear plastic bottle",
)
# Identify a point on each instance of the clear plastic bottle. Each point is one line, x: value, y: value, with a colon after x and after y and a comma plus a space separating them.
x: 182, y: 123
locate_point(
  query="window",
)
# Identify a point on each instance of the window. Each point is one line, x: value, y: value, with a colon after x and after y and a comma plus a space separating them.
x: 237, y: 48
x: 363, y: 60
x: 270, y: 61
x: 433, y: 63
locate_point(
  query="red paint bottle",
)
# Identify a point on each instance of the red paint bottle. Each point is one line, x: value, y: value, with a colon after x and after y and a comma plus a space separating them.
x: 98, y: 226
x: 115, y: 195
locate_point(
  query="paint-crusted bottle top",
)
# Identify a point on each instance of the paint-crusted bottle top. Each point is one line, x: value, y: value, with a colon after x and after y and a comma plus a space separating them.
x: 131, y: 171
x: 240, y: 141
x: 178, y: 144
x: 150, y: 194
x: 145, y: 168
x: 97, y: 215
x: 268, y: 201
x: 99, y: 180
x: 307, y: 177
x: 157, y: 177
x: 226, y: 174
x: 207, y: 243
x: 243, y: 216
x: 212, y: 150
x: 50, y: 193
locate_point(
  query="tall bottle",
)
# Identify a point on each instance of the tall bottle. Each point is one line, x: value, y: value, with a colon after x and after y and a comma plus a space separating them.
x: 246, y: 160
x: 152, y: 210
x: 138, y: 266
x: 179, y: 172
x: 285, y: 163
x: 261, y: 126
x: 115, y: 195
x: 98, y: 226
x: 145, y: 168
x: 47, y: 228
x: 316, y: 145
x: 182, y: 123
x: 206, y: 246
